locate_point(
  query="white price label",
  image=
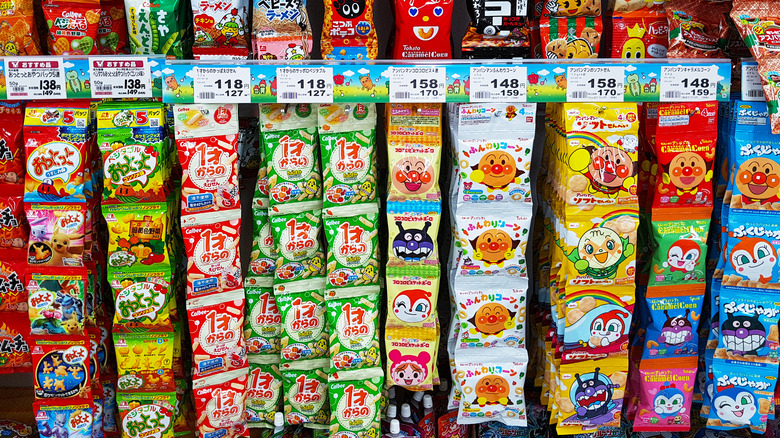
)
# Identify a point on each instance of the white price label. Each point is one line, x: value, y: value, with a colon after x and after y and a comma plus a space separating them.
x: 304, y: 84
x: 751, y: 82
x: 498, y: 84
x: 120, y: 77
x: 222, y: 85
x: 418, y: 84
x: 595, y: 83
x: 696, y: 83
x: 37, y: 77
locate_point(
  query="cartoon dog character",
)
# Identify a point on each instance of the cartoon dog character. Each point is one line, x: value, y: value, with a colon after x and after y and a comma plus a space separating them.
x: 610, y: 169
x: 677, y: 330
x: 599, y: 253
x: 496, y: 170
x: 743, y: 334
x: 491, y: 390
x: 413, y: 245
x: 687, y: 171
x: 683, y: 256
x: 412, y: 305
x: 408, y: 370
x: 492, y: 319
x: 758, y: 180
x: 494, y: 247
x: 669, y: 401
x: 734, y: 405
x: 607, y: 328
x: 754, y: 258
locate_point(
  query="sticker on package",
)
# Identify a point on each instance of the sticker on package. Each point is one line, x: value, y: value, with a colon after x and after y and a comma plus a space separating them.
x: 354, y: 322
x: 674, y: 321
x: 493, y: 245
x: 753, y: 249
x: 665, y: 395
x: 14, y: 231
x: 743, y: 396
x: 748, y: 325
x: 297, y: 238
x: 306, y: 394
x: 61, y: 367
x: 141, y: 299
x: 681, y: 246
x: 490, y: 313
x: 13, y: 268
x: 144, y: 361
x: 587, y: 399
x: 262, y: 262
x: 496, y: 390
x: 56, y: 300
x: 413, y: 248
x: 56, y: 234
x: 15, y: 343
x: 137, y: 236
x: 263, y: 323
x: 66, y: 420
x: 304, y: 323
x: 148, y: 415
x: 354, y: 397
x: 216, y: 329
x: 412, y: 301
x: 353, y: 247
x: 264, y: 391
x: 211, y: 242
x: 411, y: 360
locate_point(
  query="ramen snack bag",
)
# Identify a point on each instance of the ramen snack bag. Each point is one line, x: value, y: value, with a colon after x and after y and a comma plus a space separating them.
x: 152, y: 413
x: 756, y: 184
x: 281, y: 30
x: 264, y: 391
x: 348, y: 30
x: 297, y: 239
x: 353, y: 247
x: 681, y: 245
x: 354, y: 397
x: 748, y: 325
x: 673, y: 322
x: 220, y: 401
x: 73, y: 26
x: 578, y: 380
x: 353, y: 319
x: 640, y: 34
x: 216, y: 328
x: 665, y: 395
x: 14, y: 230
x: 12, y: 157
x: 422, y: 30
x: 15, y: 343
x: 752, y: 253
x: 13, y: 295
x: 263, y: 323
x: 112, y: 28
x: 262, y: 262
x: 137, y: 236
x: 57, y: 140
x: 742, y: 396
x: 61, y: 367
x: 141, y: 299
x: 306, y: 394
x: 411, y: 357
x: 56, y: 300
x: 348, y: 147
x: 211, y: 241
x: 571, y: 37
x: 412, y: 301
x: 158, y: 28
x: 493, y: 245
x: 696, y: 30
x: 221, y: 24
x: 489, y: 313
x: 413, y: 248
x: 143, y: 360
x: 304, y: 323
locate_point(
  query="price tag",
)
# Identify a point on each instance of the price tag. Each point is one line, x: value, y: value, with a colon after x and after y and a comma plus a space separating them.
x: 498, y: 84
x: 222, y: 85
x: 304, y: 84
x: 35, y: 78
x: 697, y: 83
x: 418, y: 84
x: 751, y: 82
x: 120, y: 76
x: 595, y: 83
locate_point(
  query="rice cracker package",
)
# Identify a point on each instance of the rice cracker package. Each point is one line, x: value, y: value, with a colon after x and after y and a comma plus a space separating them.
x: 304, y: 323
x: 354, y: 398
x: 57, y: 143
x: 306, y: 394
x: 220, y: 401
x: 19, y: 33
x: 579, y: 383
x: 144, y: 360
x: 211, y: 241
x: 422, y: 30
x: 743, y: 396
x: 752, y: 251
x: 137, y: 236
x: 696, y: 30
x: 264, y: 391
x: 56, y: 300
x: 73, y: 26
x: 353, y: 247
x: 222, y: 25
x: 748, y: 325
x: 147, y: 415
x: 112, y: 28
x: 61, y: 367
x: 12, y: 154
x: 158, y: 28
x: 640, y: 34
x: 571, y: 37
x: 353, y: 320
x: 262, y: 261
x: 297, y: 238
x: 348, y: 31
x: 665, y: 395
x: 14, y: 230
x: 281, y: 30
x: 490, y: 314
x: 263, y: 323
x: 216, y: 328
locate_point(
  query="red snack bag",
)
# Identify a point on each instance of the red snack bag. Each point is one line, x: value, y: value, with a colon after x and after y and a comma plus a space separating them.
x: 570, y: 37
x: 73, y: 26
x: 13, y: 222
x: 14, y: 348
x: 61, y: 367
x: 112, y: 28
x: 18, y: 31
x: 220, y: 402
x: 422, y: 29
x: 11, y: 143
x: 640, y: 34
x: 93, y: 334
x: 13, y: 295
x: 697, y: 29
x: 211, y: 242
x: 216, y: 328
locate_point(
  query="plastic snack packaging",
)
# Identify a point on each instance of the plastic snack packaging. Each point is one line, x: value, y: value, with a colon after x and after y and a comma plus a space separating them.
x: 491, y: 313
x: 183, y: 410
x: 752, y: 250
x: 412, y: 301
x: 306, y: 394
x: 260, y: 199
x: 348, y: 30
x: 497, y: 32
x: 15, y: 343
x: 112, y: 28
x: 681, y: 246
x: 142, y: 299
x: 211, y: 242
x: 56, y: 234
x: 73, y: 26
x: 493, y: 244
x: 348, y: 146
x: 220, y: 401
x: 674, y: 320
x: 413, y: 248
x: 422, y: 30
x: 61, y: 367
x: 577, y: 381
x: 264, y: 392
x: 297, y: 239
x: 572, y: 8
x: 158, y: 28
x: 56, y: 300
x: 304, y: 323
x: 495, y: 391
x: 640, y: 34
x: 216, y: 327
x: 281, y: 30
x: 748, y: 325
x: 263, y: 323
x: 137, y: 236
x: 696, y: 30
x: 72, y: 418
x: 144, y: 361
x: 353, y: 247
x: 13, y: 294
x: 150, y: 413
x: 57, y: 140
x: 411, y: 357
x: 742, y: 396
x: 223, y: 25
x: 19, y: 33
x: 666, y: 395
x: 571, y: 37
x: 353, y: 320
x: 14, y: 230
x: 12, y: 156
x: 262, y: 262
x: 110, y: 408
x: 354, y: 398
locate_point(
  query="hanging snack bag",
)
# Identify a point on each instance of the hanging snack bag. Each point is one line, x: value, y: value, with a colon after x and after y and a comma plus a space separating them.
x: 753, y: 250
x: 137, y: 238
x: 56, y: 300
x: 281, y: 31
x: 640, y: 34
x: 608, y: 376
x: 18, y: 32
x: 666, y: 395
x: 742, y: 396
x: 353, y: 247
x: 207, y: 140
x: 13, y: 294
x: 216, y: 328
x: 348, y: 147
x: 290, y: 139
x: 412, y: 301
x: 211, y: 242
x: 497, y: 32
x: 680, y: 247
x: 423, y: 30
x: 756, y: 185
x: 411, y: 357
x: 349, y: 31
x: 15, y: 343
x: 304, y: 323
x: 263, y: 323
x: 147, y: 415
x: 158, y: 28
x: 223, y: 25
x: 413, y: 248
x: 56, y: 234
x: 14, y: 230
x: 354, y: 397
x: 748, y: 325
x: 567, y: 8
x: 297, y: 239
x: 264, y: 391
x: 220, y: 401
x: 141, y: 299
x: 696, y: 30
x: 73, y: 26
x: 493, y: 245
x: 674, y: 320
x: 570, y: 37
x: 260, y: 200
x: 112, y: 28
x: 353, y: 321
x: 144, y: 360
x: 57, y: 141
x: 61, y: 367
x: 262, y: 262
x: 12, y: 157
x: 73, y: 419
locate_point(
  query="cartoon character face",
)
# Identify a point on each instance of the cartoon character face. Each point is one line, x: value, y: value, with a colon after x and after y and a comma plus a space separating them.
x: 413, y: 305
x: 413, y: 175
x: 633, y: 48
x: 431, y: 14
x: 496, y: 170
x: 610, y: 166
x: 754, y: 258
x: 608, y: 328
x: 683, y: 255
x: 600, y: 247
x: 408, y: 370
x: 735, y: 406
x: 743, y: 334
x: 564, y: 8
x: 494, y: 247
x: 556, y: 49
x: 677, y: 329
x: 592, y: 395
x: 491, y: 318
x: 349, y: 8
x: 687, y: 170
x: 578, y: 48
x: 758, y: 179
x: 171, y: 82
x: 560, y: 81
x: 294, y: 51
x: 366, y: 82
x: 492, y: 389
x: 71, y: 75
x: 669, y: 401
x: 412, y: 245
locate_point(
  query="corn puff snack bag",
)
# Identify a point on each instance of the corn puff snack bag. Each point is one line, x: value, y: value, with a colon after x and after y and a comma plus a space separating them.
x: 262, y: 262
x: 220, y: 401
x: 137, y: 235
x: 149, y: 414
x: 590, y: 394
x: 349, y: 31
x: 304, y: 323
x: 297, y: 240
x: 264, y: 391
x: 742, y: 396
x: 640, y: 34
x: 12, y: 158
x: 348, y: 147
x: 571, y: 37
x: 411, y: 357
x: 414, y: 152
x: 73, y: 418
x: 306, y: 394
x: 142, y: 299
x: 353, y: 247
x: 413, y: 249
x: 674, y: 320
x: 112, y: 28
x: 422, y: 30
x: 678, y: 258
x: 144, y: 361
x: 493, y: 245
x: 354, y: 336
x: 354, y: 397
x: 263, y: 323
x: 14, y: 229
x: 665, y: 395
x: 73, y: 26
x: 216, y: 329
x: 61, y: 367
x: 290, y: 139
x: 412, y: 301
x: 753, y: 250
x: 211, y: 242
x: 158, y: 28
x: 748, y: 325
x: 19, y: 33
x: 696, y: 31
x: 489, y: 313
x: 56, y: 300
x: 223, y: 25
x: 281, y: 30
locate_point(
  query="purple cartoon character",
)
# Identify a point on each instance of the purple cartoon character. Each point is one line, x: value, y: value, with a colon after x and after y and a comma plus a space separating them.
x: 412, y: 245
x: 593, y: 395
x: 58, y: 431
x: 743, y: 334
x: 408, y: 370
x: 676, y: 330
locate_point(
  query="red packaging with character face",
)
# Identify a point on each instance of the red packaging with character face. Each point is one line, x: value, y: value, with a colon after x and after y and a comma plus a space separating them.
x: 13, y: 222
x: 13, y: 295
x: 11, y: 143
x: 220, y: 402
x: 216, y: 329
x: 422, y: 29
x: 640, y: 34
x: 14, y: 348
x: 112, y: 28
x: 211, y: 242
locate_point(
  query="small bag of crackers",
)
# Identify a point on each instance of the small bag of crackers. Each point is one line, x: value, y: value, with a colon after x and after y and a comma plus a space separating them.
x: 220, y: 401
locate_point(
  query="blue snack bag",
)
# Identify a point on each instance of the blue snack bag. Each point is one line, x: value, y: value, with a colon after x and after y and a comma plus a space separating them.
x: 708, y: 384
x: 743, y: 395
x: 753, y: 246
x: 675, y: 320
x: 748, y: 325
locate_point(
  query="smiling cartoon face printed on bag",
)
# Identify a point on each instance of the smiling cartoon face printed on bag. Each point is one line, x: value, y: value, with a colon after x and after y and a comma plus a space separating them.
x: 492, y: 390
x: 496, y: 170
x: 593, y: 394
x: 493, y: 247
x: 754, y: 258
x: 492, y: 318
x: 743, y: 334
x: 412, y: 305
x: 599, y: 253
x: 687, y: 170
x: 677, y: 329
x: 734, y: 405
x: 412, y: 245
x: 758, y: 180
x: 413, y: 175
x: 408, y: 370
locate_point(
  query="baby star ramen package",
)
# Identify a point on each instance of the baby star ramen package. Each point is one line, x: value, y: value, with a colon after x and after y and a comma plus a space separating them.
x: 281, y: 30
x: 348, y: 31
x: 223, y: 24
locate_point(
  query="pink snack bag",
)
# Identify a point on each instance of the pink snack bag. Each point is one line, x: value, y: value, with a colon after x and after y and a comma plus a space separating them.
x: 665, y: 395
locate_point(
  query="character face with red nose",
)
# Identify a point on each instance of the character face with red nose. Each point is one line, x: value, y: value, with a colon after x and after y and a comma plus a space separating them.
x: 758, y: 180
x: 413, y: 305
x: 491, y: 390
x: 496, y: 170
x: 687, y: 170
x: 610, y: 166
x: 683, y: 256
x: 413, y: 175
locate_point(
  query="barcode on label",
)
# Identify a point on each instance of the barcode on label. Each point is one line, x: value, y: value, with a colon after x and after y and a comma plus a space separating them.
x: 208, y: 95
x: 101, y: 87
x: 755, y: 93
x: 672, y: 95
x: 289, y: 95
x: 481, y: 94
x: 402, y: 95
x: 579, y: 94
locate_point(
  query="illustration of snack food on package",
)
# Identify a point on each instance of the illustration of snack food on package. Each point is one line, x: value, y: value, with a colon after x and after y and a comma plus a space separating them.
x: 281, y: 30
x: 56, y: 300
x: 354, y: 334
x: 138, y: 235
x: 212, y: 241
x: 354, y: 397
x: 144, y: 360
x: 221, y: 24
x: 304, y: 323
x: 142, y: 299
x: 263, y: 323
x: 262, y: 261
x: 158, y: 27
x: 353, y: 247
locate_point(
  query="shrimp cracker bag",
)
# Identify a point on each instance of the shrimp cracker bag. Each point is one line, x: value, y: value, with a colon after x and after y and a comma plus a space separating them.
x: 207, y: 140
x: 264, y: 391
x: 414, y: 136
x: 216, y: 329
x: 413, y: 247
x: 492, y: 382
x: 353, y: 322
x: 263, y: 323
x: 60, y: 367
x: 223, y: 25
x: 14, y: 230
x: 412, y: 301
x: 665, y: 395
x: 411, y: 357
x: 753, y: 249
x: 570, y: 37
x: 73, y: 26
x: 348, y: 147
x: 289, y: 135
x: 220, y: 401
x: 144, y: 361
x: 685, y: 144
x: 743, y: 396
x: 423, y: 30
x: 748, y: 325
x: 493, y: 245
x: 281, y: 30
x: 57, y: 141
x: 262, y: 262
x: 353, y: 247
x: 152, y: 413
x: 590, y: 394
x: 495, y: 146
x: 158, y: 28
x: 306, y: 394
x: 71, y: 419
x: 490, y: 313
x: 12, y: 158
x: 142, y: 299
x: 354, y: 398
x: 211, y: 242
x: 56, y: 300
x: 349, y: 31
x: 680, y: 248
x: 304, y: 323
x: 674, y: 321
x: 297, y: 239
x: 597, y: 322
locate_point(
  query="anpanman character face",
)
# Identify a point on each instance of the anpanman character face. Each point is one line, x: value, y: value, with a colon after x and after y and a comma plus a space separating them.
x: 413, y: 175
x: 687, y: 170
x: 610, y: 166
x: 495, y: 246
x: 492, y: 389
x: 758, y: 179
x: 496, y: 170
x: 491, y: 318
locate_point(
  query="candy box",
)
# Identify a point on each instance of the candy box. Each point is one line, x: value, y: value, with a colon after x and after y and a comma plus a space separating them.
x: 673, y: 321
x: 748, y: 325
x: 665, y: 395
x: 752, y: 251
x: 263, y: 323
x: 411, y: 357
x: 489, y: 313
x: 56, y: 234
x: 146, y: 415
x: 304, y: 323
x: 493, y: 245
x: 220, y: 402
x: 579, y: 382
x: 353, y: 321
x: 14, y: 230
x: 422, y: 31
x: 112, y: 28
x: 138, y: 235
x: 413, y: 247
x: 14, y: 343
x: 158, y: 28
x: 216, y: 329
x: 57, y: 141
x: 354, y: 396
x: 56, y: 300
x: 141, y: 299
x: 223, y: 25
x: 681, y: 245
x: 143, y: 360
x: 262, y: 262
x: 12, y: 158
x: 349, y: 31
x: 743, y: 396
x: 306, y: 393
x: 296, y: 236
x: 13, y: 268
x: 64, y: 420
x: 61, y: 367
x: 412, y: 301
x: 264, y: 390
x: 211, y: 241
x: 353, y: 247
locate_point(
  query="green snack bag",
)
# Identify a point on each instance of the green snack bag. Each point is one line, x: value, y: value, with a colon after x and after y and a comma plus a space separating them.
x: 264, y: 391
x: 142, y: 299
x: 297, y: 239
x: 158, y: 27
x: 348, y: 145
x: 260, y: 198
x: 263, y: 322
x: 353, y: 247
x: 681, y: 249
x: 306, y: 394
x: 146, y: 415
x: 289, y: 134
x: 354, y: 336
x: 354, y: 397
x: 304, y: 328
x: 262, y: 262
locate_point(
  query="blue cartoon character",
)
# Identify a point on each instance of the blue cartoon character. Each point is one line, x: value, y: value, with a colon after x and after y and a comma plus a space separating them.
x: 412, y: 245
x: 734, y: 405
x: 593, y: 395
x: 669, y: 401
x: 743, y: 334
x: 677, y: 330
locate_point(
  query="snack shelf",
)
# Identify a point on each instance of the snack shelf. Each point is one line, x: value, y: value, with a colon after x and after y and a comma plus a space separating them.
x: 179, y: 81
